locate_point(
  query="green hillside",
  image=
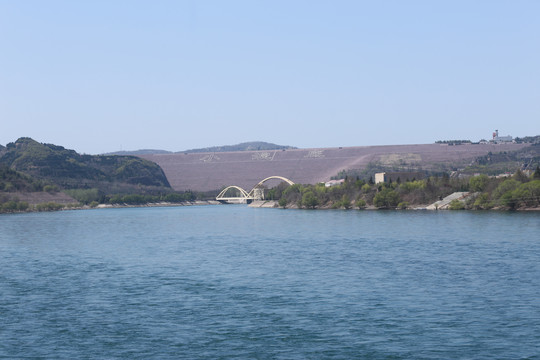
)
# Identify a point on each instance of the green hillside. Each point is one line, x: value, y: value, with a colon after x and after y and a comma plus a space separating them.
x: 12, y: 181
x: 506, y: 162
x: 70, y: 170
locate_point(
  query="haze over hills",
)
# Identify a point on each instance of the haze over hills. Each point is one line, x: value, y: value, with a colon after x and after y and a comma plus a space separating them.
x: 139, y: 152
x: 246, y: 146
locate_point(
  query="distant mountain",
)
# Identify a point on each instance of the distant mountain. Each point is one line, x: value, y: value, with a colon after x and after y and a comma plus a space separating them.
x: 70, y: 170
x: 139, y: 152
x: 247, y: 146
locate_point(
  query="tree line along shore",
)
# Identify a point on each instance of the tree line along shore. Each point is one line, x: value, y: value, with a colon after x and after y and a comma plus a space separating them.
x: 516, y: 192
x: 46, y: 177
x: 485, y: 193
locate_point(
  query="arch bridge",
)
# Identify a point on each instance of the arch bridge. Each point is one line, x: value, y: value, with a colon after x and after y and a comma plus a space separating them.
x: 257, y: 193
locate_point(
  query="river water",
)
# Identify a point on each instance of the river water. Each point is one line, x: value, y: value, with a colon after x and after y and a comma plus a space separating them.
x: 232, y: 282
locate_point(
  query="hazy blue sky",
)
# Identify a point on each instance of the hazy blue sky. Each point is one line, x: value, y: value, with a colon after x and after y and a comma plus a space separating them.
x: 100, y: 76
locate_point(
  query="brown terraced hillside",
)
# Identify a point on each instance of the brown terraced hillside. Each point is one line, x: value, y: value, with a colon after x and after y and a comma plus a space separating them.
x: 213, y: 171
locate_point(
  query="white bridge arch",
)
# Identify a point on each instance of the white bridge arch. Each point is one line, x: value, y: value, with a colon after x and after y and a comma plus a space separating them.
x: 254, y: 194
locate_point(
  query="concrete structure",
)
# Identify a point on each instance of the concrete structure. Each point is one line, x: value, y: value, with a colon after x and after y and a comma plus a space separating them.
x: 501, y: 139
x: 334, y: 182
x: 444, y: 203
x: 379, y: 178
x: 214, y: 171
x: 398, y: 176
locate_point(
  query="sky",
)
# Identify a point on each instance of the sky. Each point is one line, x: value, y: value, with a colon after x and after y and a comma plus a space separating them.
x: 102, y: 76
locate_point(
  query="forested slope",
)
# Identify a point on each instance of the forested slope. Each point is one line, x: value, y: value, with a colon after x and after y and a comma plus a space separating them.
x: 70, y: 170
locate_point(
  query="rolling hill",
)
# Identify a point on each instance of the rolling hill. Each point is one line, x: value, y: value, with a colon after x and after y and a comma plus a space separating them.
x: 70, y: 170
x: 246, y: 146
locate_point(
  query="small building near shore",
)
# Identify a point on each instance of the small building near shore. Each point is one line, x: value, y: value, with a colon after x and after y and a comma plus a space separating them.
x: 401, y: 176
x: 334, y: 182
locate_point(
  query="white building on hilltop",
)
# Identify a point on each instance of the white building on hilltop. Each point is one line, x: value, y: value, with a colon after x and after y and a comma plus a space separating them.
x: 501, y: 139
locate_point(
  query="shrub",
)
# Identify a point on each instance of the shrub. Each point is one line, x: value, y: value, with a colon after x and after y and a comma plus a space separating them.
x: 176, y: 197
x: 482, y: 202
x: 346, y: 202
x: 134, y: 199
x: 527, y: 194
x: 403, y: 205
x: 22, y: 206
x: 309, y: 200
x: 505, y: 187
x: 9, y: 206
x: 116, y: 199
x: 410, y: 186
x: 366, y: 188
x: 84, y: 196
x: 361, y: 204
x: 386, y: 198
x: 50, y: 189
x: 50, y: 206
x: 478, y: 183
x: 456, y: 205
x: 173, y: 198
x: 520, y: 176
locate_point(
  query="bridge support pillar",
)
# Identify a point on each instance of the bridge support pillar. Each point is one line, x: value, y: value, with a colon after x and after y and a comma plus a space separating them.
x: 258, y: 194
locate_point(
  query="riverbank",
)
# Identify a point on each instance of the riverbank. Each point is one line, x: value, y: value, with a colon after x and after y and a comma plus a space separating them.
x: 272, y: 204
x: 43, y: 207
x: 160, y: 204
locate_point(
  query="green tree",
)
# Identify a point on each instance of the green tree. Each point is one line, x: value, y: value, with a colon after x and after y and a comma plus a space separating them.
x: 403, y: 205
x: 22, y: 206
x: 478, y: 183
x: 361, y: 204
x: 456, y: 205
x: 506, y: 186
x: 294, y: 194
x: 50, y: 188
x: 9, y: 206
x: 482, y: 201
x: 9, y: 187
x: 528, y: 194
x: 520, y: 176
x: 536, y: 174
x: 346, y: 202
x: 85, y: 196
x: 50, y: 206
x: 309, y: 200
x: 366, y: 188
x: 386, y: 198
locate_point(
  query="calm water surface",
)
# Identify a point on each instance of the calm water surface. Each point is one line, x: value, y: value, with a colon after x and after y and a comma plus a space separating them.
x: 226, y: 282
